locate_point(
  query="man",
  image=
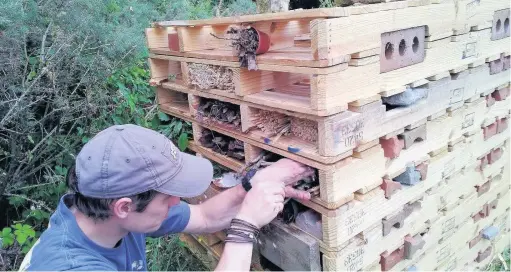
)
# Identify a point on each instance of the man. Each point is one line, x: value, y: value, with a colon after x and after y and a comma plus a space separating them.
x: 126, y: 184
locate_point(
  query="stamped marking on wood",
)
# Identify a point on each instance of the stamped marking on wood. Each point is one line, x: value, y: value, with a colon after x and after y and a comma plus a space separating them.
x: 471, y: 8
x: 468, y: 120
x: 449, y: 168
x: 443, y: 253
x: 348, y: 134
x: 354, y: 260
x: 355, y: 220
x: 448, y: 225
x: 470, y: 50
x: 456, y: 95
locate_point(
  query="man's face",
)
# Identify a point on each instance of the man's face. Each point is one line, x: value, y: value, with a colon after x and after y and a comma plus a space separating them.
x: 152, y: 217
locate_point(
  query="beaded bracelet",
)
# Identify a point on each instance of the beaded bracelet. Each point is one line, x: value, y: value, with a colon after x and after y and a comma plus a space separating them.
x: 242, y: 232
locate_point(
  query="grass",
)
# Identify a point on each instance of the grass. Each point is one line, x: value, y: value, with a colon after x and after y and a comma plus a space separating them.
x: 170, y: 254
x: 498, y: 265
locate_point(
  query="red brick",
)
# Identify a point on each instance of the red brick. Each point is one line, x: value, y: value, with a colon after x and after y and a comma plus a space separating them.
x: 392, y: 147
x: 492, y: 205
x: 489, y: 131
x: 501, y: 94
x: 483, y: 188
x: 474, y: 241
x: 173, y: 41
x: 483, y: 255
x: 390, y: 187
x: 502, y: 125
x: 387, y: 261
x: 423, y: 169
x: 412, y: 245
x: 494, y: 155
x: 484, y: 162
x: 490, y: 100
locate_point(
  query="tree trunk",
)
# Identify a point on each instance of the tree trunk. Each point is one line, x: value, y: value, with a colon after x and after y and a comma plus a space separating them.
x: 267, y: 6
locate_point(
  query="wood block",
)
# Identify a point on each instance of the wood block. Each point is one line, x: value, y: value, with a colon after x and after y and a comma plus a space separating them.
x: 289, y: 248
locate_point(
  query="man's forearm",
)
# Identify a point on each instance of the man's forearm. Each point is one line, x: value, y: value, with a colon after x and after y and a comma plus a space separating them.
x: 219, y: 210
x: 235, y: 257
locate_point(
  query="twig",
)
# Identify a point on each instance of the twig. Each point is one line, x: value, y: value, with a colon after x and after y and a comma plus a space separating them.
x: 229, y: 39
x: 39, y: 203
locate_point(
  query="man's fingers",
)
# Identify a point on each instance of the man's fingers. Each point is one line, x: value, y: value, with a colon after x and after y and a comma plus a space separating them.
x: 299, y: 194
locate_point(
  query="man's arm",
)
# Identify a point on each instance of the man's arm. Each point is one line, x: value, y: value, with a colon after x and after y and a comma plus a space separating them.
x: 216, y: 213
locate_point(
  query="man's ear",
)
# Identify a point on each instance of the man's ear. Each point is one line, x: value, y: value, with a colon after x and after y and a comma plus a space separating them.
x: 122, y: 207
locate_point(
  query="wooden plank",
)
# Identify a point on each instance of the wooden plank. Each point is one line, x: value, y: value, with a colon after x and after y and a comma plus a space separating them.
x: 261, y: 66
x: 347, y: 35
x: 289, y: 248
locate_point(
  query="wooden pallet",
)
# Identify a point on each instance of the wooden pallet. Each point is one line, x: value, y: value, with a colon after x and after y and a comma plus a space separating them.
x: 444, y: 164
x: 434, y: 227
x: 326, y: 91
x: 333, y: 33
x: 335, y: 194
x: 358, y: 128
x: 332, y: 193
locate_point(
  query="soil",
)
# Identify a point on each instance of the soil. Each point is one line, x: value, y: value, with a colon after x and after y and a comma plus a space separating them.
x: 222, y: 144
x: 219, y: 112
x: 206, y: 77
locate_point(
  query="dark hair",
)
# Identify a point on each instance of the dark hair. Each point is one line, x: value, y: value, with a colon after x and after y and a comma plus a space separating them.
x: 99, y: 208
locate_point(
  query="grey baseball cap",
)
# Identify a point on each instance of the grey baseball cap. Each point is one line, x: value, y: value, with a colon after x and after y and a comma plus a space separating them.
x: 125, y: 160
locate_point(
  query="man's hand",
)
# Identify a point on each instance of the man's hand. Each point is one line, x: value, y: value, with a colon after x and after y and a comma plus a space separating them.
x: 262, y: 203
x: 288, y: 172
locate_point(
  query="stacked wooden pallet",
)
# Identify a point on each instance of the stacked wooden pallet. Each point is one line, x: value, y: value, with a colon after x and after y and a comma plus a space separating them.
x: 402, y: 108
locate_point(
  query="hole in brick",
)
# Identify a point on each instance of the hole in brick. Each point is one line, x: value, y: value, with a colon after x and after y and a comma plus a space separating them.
x: 498, y: 25
x: 506, y: 25
x: 402, y: 47
x: 389, y: 50
x: 397, y: 225
x: 415, y: 45
x: 220, y: 113
x: 223, y: 144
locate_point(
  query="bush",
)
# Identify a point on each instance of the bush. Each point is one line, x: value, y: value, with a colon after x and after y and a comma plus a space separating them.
x: 68, y: 70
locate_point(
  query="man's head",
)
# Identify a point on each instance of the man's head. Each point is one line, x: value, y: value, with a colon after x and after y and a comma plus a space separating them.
x: 134, y: 175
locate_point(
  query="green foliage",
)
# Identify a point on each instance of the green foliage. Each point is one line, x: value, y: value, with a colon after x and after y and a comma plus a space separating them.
x: 501, y: 262
x: 7, y: 238
x: 240, y: 7
x: 24, y: 235
x: 169, y: 253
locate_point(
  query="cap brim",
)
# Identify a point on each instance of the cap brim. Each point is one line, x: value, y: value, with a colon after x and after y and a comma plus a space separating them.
x: 192, y: 180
